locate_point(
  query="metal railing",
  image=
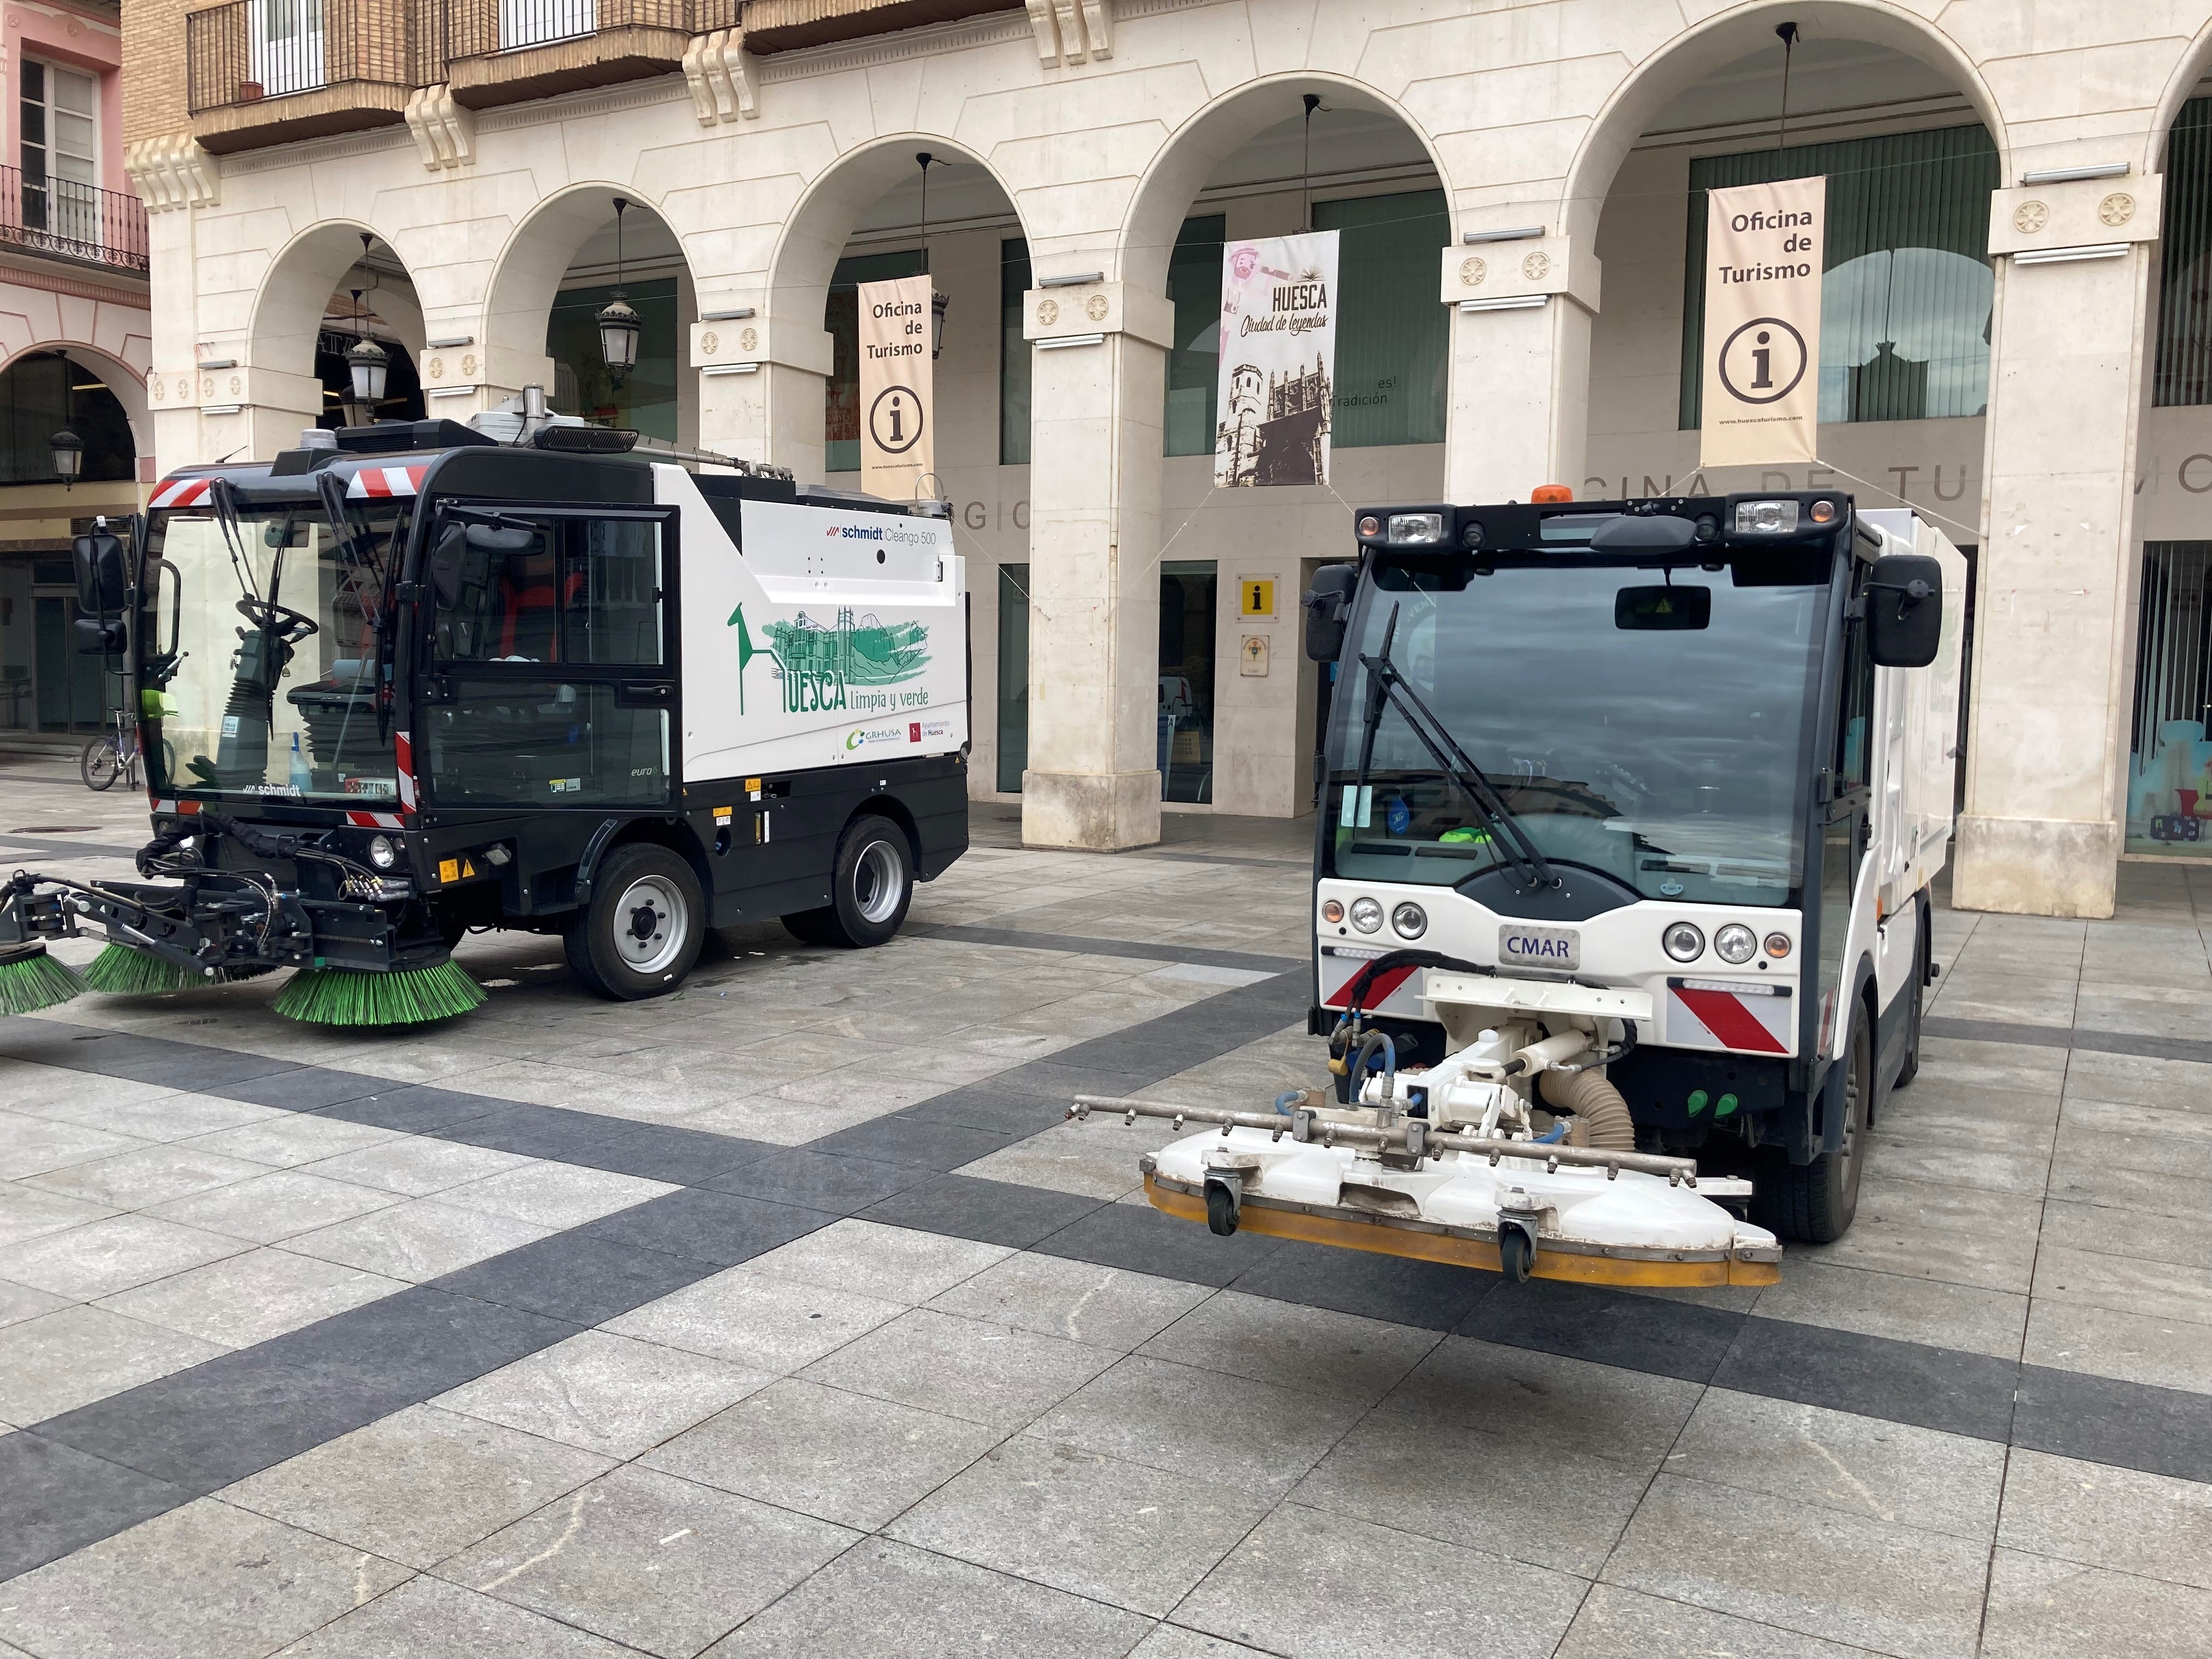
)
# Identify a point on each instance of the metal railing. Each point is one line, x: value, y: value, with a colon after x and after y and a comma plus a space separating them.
x: 250, y: 50
x: 72, y: 220
x: 478, y: 28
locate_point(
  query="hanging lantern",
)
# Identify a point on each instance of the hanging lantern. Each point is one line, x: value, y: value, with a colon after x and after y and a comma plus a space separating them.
x: 68, y: 454
x: 936, y: 302
x: 367, y: 364
x: 618, y: 323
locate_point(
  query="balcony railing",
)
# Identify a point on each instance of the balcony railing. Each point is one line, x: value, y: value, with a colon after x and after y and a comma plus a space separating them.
x: 478, y: 28
x: 251, y: 50
x: 70, y: 221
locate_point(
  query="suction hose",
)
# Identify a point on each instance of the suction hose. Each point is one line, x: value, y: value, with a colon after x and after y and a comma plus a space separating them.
x: 1597, y: 1102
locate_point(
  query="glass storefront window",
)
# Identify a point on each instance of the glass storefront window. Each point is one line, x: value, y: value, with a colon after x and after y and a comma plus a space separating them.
x: 646, y: 400
x: 1014, y: 355
x: 1194, y: 360
x: 2181, y: 371
x: 1905, y: 291
x: 840, y: 428
x: 2170, y: 768
x: 1189, y: 589
x: 1013, y: 676
x: 1393, y: 339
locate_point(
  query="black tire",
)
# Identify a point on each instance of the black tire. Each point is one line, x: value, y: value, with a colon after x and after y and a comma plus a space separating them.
x: 641, y: 934
x: 871, y: 889
x: 99, y: 765
x: 1514, y: 1256
x: 1813, y: 1203
x: 1909, y: 1068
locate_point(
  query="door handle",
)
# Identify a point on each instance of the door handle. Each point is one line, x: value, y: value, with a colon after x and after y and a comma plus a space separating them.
x: 646, y: 694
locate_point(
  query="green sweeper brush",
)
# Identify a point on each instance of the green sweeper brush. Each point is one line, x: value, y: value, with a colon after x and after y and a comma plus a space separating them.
x: 30, y: 980
x: 121, y: 971
x: 343, y: 996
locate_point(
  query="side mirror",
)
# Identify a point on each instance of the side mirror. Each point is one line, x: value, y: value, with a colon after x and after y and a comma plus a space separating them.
x: 1328, y: 607
x: 96, y: 637
x: 1904, y: 611
x: 102, y: 575
x: 444, y: 565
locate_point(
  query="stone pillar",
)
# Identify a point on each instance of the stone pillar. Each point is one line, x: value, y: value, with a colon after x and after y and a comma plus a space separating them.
x: 1096, y: 397
x: 1519, y: 413
x: 2044, y: 818
x: 763, y: 382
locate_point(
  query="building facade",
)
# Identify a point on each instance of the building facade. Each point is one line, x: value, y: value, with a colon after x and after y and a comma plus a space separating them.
x: 76, y: 341
x: 2017, y: 333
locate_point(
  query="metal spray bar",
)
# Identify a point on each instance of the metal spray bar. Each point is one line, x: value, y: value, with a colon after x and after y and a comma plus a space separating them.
x: 1410, y: 1135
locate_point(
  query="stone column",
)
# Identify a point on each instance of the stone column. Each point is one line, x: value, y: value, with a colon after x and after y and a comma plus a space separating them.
x: 761, y: 385
x: 1519, y: 414
x: 1096, y: 397
x: 2041, y: 831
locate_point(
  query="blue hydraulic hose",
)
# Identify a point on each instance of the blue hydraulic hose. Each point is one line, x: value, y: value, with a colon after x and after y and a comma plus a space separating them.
x: 1285, y: 1100
x: 1558, y: 1132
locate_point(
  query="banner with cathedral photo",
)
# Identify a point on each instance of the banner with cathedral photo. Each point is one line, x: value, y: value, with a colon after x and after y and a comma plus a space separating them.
x: 1277, y: 361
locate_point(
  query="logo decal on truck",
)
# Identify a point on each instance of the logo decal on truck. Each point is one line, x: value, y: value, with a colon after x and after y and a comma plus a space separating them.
x: 843, y: 665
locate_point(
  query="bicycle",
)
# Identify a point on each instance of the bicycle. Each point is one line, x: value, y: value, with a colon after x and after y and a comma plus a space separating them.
x: 107, y: 757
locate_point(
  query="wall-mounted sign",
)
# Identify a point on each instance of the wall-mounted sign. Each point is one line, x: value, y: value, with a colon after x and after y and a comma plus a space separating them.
x: 1252, y: 657
x: 898, y: 443
x: 1255, y: 596
x: 1764, y: 249
x: 1277, y: 361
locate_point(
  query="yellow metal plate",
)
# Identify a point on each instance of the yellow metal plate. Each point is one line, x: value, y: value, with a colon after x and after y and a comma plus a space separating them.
x: 1468, y: 1252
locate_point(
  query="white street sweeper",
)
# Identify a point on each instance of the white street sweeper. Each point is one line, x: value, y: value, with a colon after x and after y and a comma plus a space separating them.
x: 1631, y: 813
x: 419, y: 678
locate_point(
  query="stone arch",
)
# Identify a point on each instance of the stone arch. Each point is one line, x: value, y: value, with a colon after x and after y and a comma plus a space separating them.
x: 1686, y: 58
x: 126, y: 382
x: 2194, y: 63
x: 527, y: 274
x: 1183, y: 163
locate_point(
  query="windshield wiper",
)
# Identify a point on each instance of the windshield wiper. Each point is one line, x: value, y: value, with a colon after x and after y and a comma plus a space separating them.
x: 1386, y: 686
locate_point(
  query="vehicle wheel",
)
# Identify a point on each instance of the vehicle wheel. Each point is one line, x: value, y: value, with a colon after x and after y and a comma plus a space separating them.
x: 99, y: 763
x: 1813, y: 1203
x: 870, y: 890
x: 642, y: 930
x: 1909, y: 1068
x: 1220, y: 1210
x: 1514, y: 1257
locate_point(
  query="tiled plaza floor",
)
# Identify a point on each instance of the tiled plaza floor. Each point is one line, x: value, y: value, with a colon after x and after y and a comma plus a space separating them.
x: 784, y: 1318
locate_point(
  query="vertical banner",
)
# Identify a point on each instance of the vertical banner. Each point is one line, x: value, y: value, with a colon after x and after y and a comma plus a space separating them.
x: 898, y: 445
x: 1764, y: 248
x: 1277, y: 361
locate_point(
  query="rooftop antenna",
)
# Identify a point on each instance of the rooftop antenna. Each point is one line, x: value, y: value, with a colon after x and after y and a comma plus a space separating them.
x: 1789, y: 34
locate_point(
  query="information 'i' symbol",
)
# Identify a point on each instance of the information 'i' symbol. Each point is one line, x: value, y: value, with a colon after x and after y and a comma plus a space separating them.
x: 1760, y: 379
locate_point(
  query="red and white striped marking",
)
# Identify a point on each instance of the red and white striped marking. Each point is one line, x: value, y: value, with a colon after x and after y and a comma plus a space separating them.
x: 1755, y: 1020
x: 402, y: 747
x: 381, y: 483
x: 374, y: 820
x: 181, y: 492
x: 1394, y: 990
x: 182, y: 808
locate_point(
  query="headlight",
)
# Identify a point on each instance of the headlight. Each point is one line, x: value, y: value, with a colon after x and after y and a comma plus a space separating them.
x: 1735, y: 942
x: 1366, y: 915
x: 1765, y: 518
x: 1777, y: 945
x: 1683, y: 942
x: 1410, y: 920
x: 1417, y: 529
x: 381, y: 853
x: 1331, y: 912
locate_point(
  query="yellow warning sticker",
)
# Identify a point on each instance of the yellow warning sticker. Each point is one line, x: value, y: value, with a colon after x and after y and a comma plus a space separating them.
x: 449, y: 869
x: 468, y: 869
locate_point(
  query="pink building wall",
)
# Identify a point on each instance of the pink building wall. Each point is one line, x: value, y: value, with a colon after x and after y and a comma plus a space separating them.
x: 81, y: 40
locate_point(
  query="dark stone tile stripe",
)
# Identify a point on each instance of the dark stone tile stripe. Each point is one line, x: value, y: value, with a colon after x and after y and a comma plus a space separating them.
x: 1085, y: 944
x: 89, y: 1474
x: 2136, y: 1043
x: 48, y: 846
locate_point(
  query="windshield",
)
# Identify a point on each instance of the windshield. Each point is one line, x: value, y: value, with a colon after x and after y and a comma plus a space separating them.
x: 1655, y: 736
x: 258, y: 663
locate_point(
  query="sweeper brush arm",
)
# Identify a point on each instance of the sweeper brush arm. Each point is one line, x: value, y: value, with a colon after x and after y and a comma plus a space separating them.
x: 1409, y: 1136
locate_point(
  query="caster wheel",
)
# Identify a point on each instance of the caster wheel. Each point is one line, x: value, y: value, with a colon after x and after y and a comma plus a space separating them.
x: 1220, y: 1210
x: 1515, y: 1256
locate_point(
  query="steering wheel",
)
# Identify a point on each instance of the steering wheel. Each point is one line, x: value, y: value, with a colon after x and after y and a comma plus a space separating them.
x: 287, y: 625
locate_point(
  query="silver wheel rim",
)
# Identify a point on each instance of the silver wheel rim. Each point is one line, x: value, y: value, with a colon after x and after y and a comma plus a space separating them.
x: 651, y: 923
x: 878, y: 882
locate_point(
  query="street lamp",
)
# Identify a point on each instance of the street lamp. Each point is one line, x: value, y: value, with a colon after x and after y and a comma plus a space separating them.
x: 69, y: 455
x: 367, y: 363
x: 618, y: 323
x: 937, y: 300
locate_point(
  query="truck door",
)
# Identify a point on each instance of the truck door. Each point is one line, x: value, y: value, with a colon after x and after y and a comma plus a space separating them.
x: 552, y: 678
x: 1847, y: 828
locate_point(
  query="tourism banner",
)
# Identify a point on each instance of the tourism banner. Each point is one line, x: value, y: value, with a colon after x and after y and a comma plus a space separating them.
x: 1277, y: 361
x: 897, y: 443
x: 1764, y: 249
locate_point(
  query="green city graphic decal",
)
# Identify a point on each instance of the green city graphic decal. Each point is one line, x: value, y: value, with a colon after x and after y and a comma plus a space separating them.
x: 845, y: 665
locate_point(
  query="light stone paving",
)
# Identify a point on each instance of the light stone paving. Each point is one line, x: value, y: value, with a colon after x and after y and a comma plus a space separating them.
x: 898, y: 1437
